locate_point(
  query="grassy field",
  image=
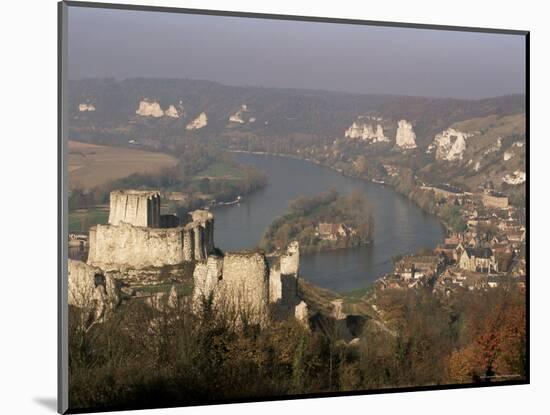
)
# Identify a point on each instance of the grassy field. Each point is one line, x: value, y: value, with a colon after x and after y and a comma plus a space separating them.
x: 92, y: 165
x: 81, y: 220
x: 183, y: 288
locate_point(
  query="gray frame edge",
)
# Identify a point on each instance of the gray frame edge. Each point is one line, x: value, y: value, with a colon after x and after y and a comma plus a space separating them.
x: 62, y: 209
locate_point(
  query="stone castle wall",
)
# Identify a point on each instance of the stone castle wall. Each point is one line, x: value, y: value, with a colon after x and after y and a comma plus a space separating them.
x: 290, y: 260
x: 115, y: 247
x: 138, y: 236
x: 249, y: 282
x: 206, y: 277
x: 136, y: 247
x: 246, y: 283
x: 88, y: 285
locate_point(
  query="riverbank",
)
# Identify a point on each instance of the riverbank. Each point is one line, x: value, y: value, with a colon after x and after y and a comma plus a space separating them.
x: 401, y: 227
x: 393, y: 186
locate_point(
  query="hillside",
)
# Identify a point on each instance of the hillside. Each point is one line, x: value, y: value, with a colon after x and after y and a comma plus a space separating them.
x: 492, y: 153
x: 467, y: 142
x: 268, y: 111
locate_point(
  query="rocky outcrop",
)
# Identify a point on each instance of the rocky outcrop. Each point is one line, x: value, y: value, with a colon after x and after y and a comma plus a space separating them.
x: 515, y: 178
x: 172, y: 112
x: 508, y: 155
x: 241, y: 116
x: 149, y: 109
x: 405, y: 136
x: 514, y: 150
x: 86, y: 107
x: 366, y: 131
x: 200, y: 122
x: 449, y: 145
x: 494, y: 148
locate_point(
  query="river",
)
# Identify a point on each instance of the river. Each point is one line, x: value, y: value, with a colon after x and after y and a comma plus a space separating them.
x: 400, y: 226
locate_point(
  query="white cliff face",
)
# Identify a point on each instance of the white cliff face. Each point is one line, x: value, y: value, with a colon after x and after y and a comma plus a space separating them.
x: 380, y: 134
x: 198, y: 123
x: 495, y: 148
x: 149, y: 109
x: 513, y: 150
x: 172, y: 112
x: 366, y: 132
x: 84, y: 107
x: 405, y: 137
x: 515, y: 178
x: 449, y: 145
x: 508, y: 155
x: 238, y: 116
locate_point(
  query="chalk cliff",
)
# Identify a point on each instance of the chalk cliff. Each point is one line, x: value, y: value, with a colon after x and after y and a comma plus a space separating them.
x: 198, y: 123
x: 515, y: 178
x: 149, y: 109
x: 85, y: 106
x: 405, y: 136
x: 449, y: 145
x: 367, y: 132
x: 239, y: 116
x: 171, y: 112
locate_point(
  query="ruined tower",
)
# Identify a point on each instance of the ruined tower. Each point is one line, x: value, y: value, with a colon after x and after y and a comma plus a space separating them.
x: 250, y: 282
x: 135, y: 207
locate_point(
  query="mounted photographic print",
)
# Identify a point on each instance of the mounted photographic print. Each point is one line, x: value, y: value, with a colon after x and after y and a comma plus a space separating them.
x: 262, y: 207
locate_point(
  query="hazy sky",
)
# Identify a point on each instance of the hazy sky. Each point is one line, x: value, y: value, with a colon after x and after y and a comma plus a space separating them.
x: 259, y: 52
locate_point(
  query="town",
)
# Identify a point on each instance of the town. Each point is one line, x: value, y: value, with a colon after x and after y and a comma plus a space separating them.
x: 487, y: 252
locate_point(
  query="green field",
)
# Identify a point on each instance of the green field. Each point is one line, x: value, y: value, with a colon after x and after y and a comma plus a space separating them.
x: 81, y: 220
x: 183, y: 288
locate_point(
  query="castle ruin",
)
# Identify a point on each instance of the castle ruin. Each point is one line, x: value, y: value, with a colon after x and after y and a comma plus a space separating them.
x: 250, y: 282
x: 139, y: 238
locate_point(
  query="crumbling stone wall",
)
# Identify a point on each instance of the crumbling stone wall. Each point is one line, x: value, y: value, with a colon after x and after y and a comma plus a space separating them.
x: 207, y: 279
x: 204, y: 233
x: 115, y: 247
x: 250, y: 281
x: 246, y: 284
x: 283, y: 275
x: 275, y: 285
x: 138, y: 236
x: 91, y: 289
